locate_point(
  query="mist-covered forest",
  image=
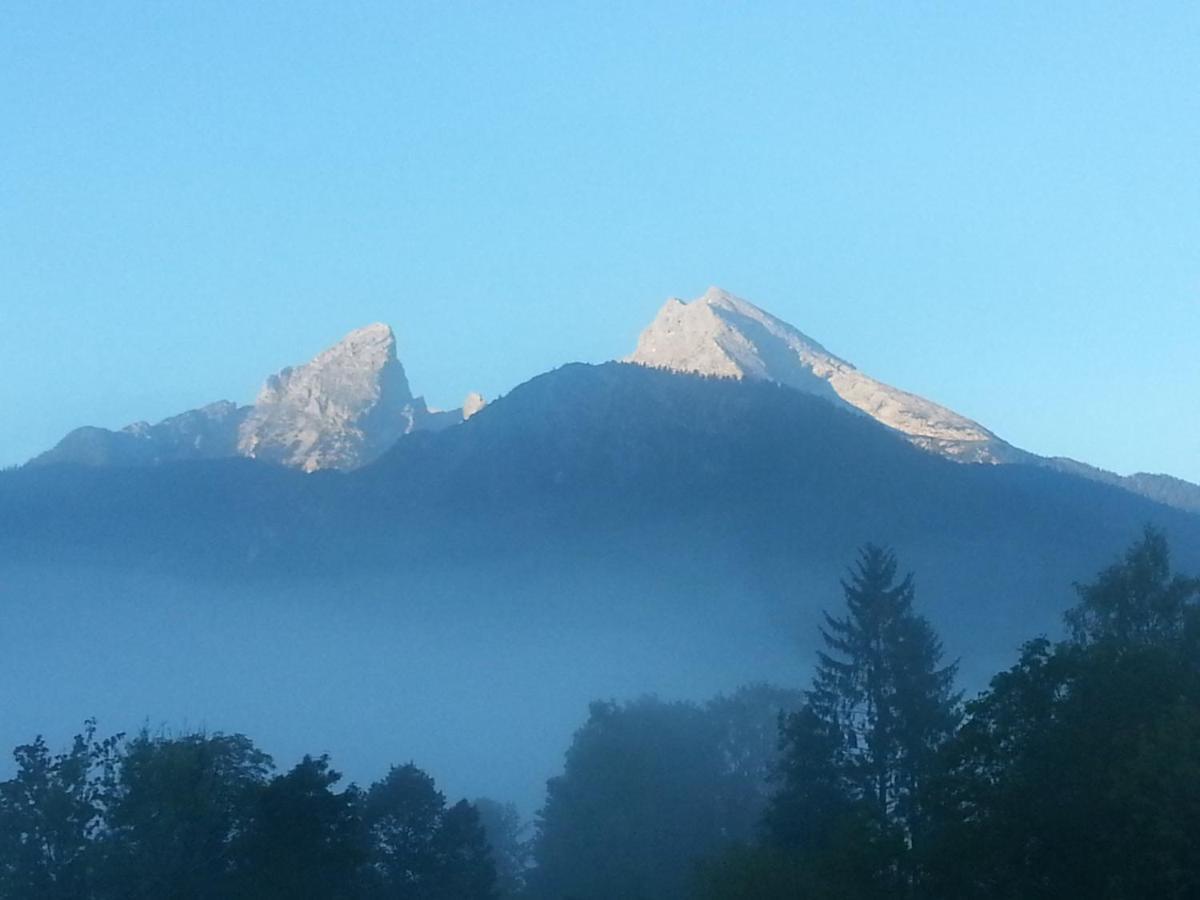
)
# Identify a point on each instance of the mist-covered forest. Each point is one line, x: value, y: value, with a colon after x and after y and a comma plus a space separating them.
x: 1076, y: 773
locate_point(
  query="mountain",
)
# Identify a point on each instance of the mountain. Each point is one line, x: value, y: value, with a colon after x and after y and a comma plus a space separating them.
x: 1160, y: 488
x: 600, y: 531
x: 634, y: 488
x: 343, y: 409
x: 722, y: 335
x: 339, y: 411
x: 353, y: 402
x: 210, y: 432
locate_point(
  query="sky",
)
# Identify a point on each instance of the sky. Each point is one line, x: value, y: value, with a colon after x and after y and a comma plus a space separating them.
x: 994, y: 206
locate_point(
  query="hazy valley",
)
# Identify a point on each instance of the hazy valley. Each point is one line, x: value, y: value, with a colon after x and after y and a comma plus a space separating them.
x: 600, y: 531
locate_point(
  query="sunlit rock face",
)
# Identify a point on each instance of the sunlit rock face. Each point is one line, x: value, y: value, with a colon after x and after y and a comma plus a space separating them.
x: 339, y: 411
x: 721, y: 335
x: 473, y: 404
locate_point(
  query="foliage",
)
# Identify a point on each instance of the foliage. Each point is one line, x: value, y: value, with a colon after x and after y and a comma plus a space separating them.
x: 199, y: 816
x: 419, y: 848
x: 51, y: 812
x: 303, y: 838
x: 856, y: 758
x: 465, y: 867
x: 174, y: 814
x: 636, y: 805
x: 1138, y: 601
x: 650, y: 788
x: 746, y: 725
x: 1078, y: 771
x: 880, y: 691
x: 402, y: 813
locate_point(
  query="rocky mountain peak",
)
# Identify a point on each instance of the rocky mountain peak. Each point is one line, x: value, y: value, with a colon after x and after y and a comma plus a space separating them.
x: 373, y: 346
x: 473, y: 404
x: 341, y: 410
x: 352, y: 374
x: 723, y: 335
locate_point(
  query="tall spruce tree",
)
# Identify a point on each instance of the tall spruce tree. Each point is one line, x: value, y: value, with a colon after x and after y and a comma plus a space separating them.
x: 881, y: 689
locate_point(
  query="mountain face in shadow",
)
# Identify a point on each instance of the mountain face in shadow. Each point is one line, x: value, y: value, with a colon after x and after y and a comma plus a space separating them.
x: 582, y: 456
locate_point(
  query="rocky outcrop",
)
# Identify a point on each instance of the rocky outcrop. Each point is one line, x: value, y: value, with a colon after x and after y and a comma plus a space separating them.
x: 473, y: 404
x: 339, y: 411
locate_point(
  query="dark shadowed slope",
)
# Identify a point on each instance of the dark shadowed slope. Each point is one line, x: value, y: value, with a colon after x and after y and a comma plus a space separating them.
x: 591, y: 462
x: 584, y: 450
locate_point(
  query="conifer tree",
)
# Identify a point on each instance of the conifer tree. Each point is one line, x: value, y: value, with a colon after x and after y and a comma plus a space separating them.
x: 881, y: 689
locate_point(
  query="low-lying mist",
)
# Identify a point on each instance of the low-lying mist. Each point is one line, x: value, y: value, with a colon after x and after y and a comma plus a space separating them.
x: 481, y: 683
x: 479, y: 673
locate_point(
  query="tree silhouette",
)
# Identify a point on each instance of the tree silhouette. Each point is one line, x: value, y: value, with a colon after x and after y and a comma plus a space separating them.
x: 1137, y: 600
x: 305, y: 839
x: 174, y: 811
x: 881, y: 689
x: 419, y: 849
x: 747, y: 724
x: 638, y: 804
x: 466, y: 870
x: 1078, y: 772
x: 50, y: 814
x: 855, y: 759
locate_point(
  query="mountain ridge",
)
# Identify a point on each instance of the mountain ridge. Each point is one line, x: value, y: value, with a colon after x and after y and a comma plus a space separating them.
x: 352, y: 402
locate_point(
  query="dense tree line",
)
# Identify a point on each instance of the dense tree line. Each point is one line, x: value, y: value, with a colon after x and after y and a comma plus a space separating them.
x: 1075, y: 774
x: 203, y: 816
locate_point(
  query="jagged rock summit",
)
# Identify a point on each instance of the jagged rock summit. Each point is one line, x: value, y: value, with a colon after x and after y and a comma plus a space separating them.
x: 722, y: 335
x: 339, y: 411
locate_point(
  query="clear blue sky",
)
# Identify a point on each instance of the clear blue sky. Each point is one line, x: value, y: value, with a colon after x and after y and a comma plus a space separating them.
x: 993, y: 205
